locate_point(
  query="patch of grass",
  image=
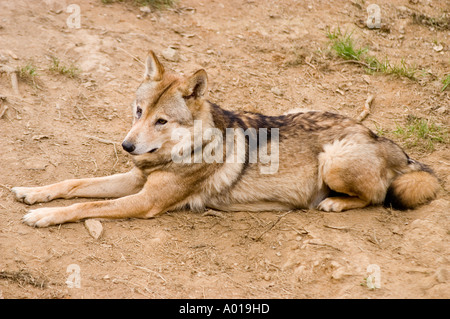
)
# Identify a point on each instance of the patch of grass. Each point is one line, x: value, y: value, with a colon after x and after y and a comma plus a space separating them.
x: 344, y: 46
x: 70, y: 71
x: 440, y: 23
x: 401, y: 70
x: 156, y: 4
x: 333, y: 34
x: 380, y: 131
x: 421, y: 133
x: 28, y: 73
x: 446, y: 82
x: 22, y: 278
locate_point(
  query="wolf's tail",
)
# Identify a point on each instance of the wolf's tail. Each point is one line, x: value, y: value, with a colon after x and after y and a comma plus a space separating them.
x: 416, y: 187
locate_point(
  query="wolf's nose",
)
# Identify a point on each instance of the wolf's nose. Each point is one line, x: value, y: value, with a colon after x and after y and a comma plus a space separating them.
x: 129, y: 147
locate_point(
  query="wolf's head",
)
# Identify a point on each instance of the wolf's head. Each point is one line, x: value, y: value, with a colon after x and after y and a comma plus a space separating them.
x: 164, y: 102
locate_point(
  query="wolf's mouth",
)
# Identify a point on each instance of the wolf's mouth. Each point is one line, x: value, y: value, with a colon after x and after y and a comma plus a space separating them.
x: 153, y: 150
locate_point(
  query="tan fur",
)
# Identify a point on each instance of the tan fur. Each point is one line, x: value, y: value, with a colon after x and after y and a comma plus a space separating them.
x: 414, y: 189
x: 324, y: 160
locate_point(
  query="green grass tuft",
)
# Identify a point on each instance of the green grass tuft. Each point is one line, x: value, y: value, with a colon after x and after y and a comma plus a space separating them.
x: 70, y: 71
x: 344, y: 46
x: 421, y: 133
x: 28, y: 73
x: 156, y: 4
x: 446, y: 82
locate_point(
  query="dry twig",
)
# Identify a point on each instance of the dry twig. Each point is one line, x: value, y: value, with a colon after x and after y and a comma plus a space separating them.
x: 357, y: 62
x: 131, y: 55
x: 13, y: 74
x: 366, y: 110
x: 3, y: 108
x: 337, y: 227
x: 105, y: 141
x: 271, y: 226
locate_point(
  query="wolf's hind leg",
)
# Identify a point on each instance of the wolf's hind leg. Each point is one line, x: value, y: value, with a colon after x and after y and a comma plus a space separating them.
x: 354, y: 169
x: 113, y: 186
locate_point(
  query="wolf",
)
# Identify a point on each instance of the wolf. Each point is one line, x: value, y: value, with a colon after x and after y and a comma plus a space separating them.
x: 324, y: 161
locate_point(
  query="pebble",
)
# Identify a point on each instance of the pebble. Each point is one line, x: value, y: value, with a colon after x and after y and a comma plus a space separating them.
x: 12, y: 55
x: 277, y: 91
x: 94, y: 227
x: 442, y: 275
x: 171, y: 54
x: 145, y: 9
x: 338, y: 273
x: 35, y: 164
x: 438, y: 47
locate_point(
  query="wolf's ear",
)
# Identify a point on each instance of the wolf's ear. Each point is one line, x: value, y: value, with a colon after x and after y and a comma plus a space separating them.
x: 196, y: 85
x: 153, y: 68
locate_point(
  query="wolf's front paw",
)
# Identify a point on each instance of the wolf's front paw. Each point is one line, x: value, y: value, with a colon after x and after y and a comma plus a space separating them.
x: 31, y: 195
x: 43, y: 217
x: 331, y: 205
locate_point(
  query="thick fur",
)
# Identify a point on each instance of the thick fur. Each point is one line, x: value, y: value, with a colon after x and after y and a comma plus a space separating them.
x: 325, y: 161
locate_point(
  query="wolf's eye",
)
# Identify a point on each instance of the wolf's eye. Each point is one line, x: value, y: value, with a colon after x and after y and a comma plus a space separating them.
x: 161, y: 121
x: 138, y: 112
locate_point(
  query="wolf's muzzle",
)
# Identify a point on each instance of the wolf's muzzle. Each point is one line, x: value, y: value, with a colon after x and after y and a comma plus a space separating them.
x: 129, y: 147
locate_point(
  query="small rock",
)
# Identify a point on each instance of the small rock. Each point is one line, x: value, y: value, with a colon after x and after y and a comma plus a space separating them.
x: 443, y: 109
x: 171, y: 54
x: 442, y: 275
x: 145, y: 9
x: 366, y: 78
x: 402, y: 9
x: 396, y: 230
x: 156, y: 240
x: 335, y: 264
x: 3, y: 59
x: 338, y: 273
x: 438, y: 47
x: 40, y: 137
x: 12, y: 55
x: 94, y: 227
x: 35, y: 164
x: 277, y: 91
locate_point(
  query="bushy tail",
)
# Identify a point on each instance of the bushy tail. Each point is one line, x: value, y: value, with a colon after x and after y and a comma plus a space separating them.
x: 413, y: 188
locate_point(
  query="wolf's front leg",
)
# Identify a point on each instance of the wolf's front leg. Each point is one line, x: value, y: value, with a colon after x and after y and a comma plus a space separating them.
x: 160, y: 193
x: 100, y: 187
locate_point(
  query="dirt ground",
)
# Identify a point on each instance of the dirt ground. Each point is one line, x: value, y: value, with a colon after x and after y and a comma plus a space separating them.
x: 263, y: 56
